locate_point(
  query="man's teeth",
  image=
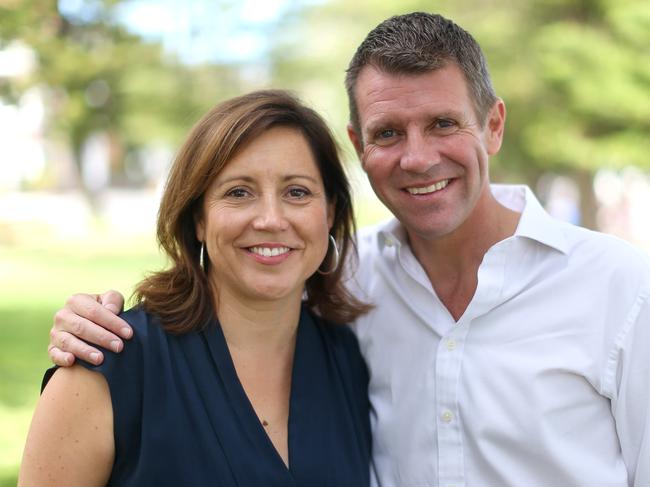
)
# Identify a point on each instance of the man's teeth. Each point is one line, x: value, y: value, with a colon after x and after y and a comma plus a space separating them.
x: 429, y: 189
x: 270, y: 252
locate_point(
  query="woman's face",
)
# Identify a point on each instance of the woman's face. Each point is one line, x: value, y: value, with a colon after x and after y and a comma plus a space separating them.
x: 266, y: 219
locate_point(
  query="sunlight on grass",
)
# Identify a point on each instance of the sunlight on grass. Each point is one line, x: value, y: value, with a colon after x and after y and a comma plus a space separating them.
x: 37, y: 277
x: 15, y: 423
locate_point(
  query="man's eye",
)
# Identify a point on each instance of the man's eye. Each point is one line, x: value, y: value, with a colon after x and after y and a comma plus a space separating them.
x: 445, y: 123
x: 386, y: 134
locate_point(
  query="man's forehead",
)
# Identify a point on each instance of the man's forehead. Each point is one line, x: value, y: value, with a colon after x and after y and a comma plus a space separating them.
x: 374, y: 72
x: 382, y: 95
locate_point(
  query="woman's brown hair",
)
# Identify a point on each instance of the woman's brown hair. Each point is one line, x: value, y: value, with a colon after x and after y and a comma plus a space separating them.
x: 181, y: 295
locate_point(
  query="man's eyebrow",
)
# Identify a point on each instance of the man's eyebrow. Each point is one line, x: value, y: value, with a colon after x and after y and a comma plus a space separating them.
x: 380, y: 122
x: 456, y: 114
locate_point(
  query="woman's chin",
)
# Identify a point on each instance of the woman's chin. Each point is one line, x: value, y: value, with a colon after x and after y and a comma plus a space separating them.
x: 277, y: 293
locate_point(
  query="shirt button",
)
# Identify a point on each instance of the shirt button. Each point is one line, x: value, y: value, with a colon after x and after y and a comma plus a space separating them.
x: 389, y: 242
x: 451, y: 344
x: 447, y: 416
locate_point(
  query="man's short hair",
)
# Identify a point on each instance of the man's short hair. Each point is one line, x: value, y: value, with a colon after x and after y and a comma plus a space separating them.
x: 416, y: 43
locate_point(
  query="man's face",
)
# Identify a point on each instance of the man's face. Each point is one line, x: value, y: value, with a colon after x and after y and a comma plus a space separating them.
x: 423, y: 148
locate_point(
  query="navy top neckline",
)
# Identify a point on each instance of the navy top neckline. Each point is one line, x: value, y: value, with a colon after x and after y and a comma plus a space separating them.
x: 182, y: 417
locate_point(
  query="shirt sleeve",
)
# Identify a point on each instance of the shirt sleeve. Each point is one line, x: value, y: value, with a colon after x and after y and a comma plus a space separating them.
x: 630, y: 362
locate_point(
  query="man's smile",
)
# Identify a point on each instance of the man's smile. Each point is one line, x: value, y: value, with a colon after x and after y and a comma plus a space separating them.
x: 429, y: 189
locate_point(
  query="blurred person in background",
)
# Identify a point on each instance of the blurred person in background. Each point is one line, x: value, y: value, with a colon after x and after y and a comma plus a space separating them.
x: 506, y: 347
x: 239, y: 372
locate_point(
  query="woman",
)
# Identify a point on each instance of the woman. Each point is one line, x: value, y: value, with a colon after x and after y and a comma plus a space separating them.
x: 236, y: 375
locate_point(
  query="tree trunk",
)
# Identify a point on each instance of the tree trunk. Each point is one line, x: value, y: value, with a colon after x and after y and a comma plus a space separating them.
x: 588, y: 203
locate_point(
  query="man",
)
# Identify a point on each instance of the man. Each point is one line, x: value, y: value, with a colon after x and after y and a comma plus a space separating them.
x: 506, y: 348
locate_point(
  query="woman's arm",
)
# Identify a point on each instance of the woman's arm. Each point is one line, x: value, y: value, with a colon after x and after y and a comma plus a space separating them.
x: 70, y: 440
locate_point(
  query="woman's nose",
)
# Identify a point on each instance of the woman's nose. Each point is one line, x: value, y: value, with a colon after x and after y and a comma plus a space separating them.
x: 270, y: 215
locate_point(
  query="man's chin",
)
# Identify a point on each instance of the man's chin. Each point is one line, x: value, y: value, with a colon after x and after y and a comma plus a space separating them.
x: 418, y: 230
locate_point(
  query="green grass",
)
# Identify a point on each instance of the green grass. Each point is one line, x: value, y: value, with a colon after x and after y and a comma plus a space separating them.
x: 35, y: 280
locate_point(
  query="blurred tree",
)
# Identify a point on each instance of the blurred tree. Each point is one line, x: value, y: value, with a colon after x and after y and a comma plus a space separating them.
x: 592, y: 106
x: 100, y: 79
x: 575, y: 75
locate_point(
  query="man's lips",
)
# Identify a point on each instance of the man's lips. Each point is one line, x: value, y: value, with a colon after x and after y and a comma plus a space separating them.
x: 432, y: 188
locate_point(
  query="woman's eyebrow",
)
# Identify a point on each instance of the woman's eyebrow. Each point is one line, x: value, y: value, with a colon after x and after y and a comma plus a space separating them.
x: 250, y: 179
x: 289, y: 177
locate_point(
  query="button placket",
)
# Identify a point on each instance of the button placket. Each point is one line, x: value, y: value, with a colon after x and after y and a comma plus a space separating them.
x: 450, y: 444
x: 447, y: 416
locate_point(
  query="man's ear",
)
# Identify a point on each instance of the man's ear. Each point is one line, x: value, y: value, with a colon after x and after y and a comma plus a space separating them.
x: 495, y: 126
x: 356, y: 140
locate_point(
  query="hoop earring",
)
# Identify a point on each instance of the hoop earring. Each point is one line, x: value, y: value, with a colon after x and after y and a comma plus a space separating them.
x: 336, y: 257
x: 201, y: 256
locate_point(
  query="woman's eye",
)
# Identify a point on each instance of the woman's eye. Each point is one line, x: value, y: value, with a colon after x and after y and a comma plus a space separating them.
x: 298, y: 192
x: 237, y: 193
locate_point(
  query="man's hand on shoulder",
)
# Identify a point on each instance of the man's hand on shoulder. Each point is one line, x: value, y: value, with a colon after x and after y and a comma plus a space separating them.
x: 89, y: 317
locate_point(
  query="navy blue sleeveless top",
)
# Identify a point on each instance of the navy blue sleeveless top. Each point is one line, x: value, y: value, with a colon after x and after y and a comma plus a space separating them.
x: 181, y: 416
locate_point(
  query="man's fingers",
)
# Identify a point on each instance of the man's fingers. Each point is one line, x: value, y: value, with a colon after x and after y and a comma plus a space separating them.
x: 66, y: 342
x: 93, y: 312
x: 113, y: 301
x: 59, y: 357
x: 87, y: 318
x: 70, y: 324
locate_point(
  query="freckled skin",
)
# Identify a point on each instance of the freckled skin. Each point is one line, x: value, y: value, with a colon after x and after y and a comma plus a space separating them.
x: 70, y: 441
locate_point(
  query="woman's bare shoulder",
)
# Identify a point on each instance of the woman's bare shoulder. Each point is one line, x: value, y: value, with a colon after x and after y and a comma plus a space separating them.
x: 70, y: 440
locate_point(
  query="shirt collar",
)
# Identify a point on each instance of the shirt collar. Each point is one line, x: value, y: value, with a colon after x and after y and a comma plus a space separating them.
x: 534, y: 222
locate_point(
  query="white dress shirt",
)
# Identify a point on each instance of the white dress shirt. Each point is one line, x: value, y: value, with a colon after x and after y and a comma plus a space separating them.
x: 543, y: 382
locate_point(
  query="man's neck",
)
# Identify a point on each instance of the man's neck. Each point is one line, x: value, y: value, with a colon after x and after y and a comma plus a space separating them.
x: 452, y: 261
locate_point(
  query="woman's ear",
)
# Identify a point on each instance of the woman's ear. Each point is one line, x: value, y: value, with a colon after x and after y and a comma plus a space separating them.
x: 331, y: 208
x: 199, y: 228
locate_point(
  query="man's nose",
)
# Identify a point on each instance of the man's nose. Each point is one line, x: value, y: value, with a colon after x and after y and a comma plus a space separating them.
x: 270, y: 215
x: 420, y: 154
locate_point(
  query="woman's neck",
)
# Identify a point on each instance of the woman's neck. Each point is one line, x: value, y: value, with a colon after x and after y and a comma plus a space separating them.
x: 258, y: 326
x: 261, y: 338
